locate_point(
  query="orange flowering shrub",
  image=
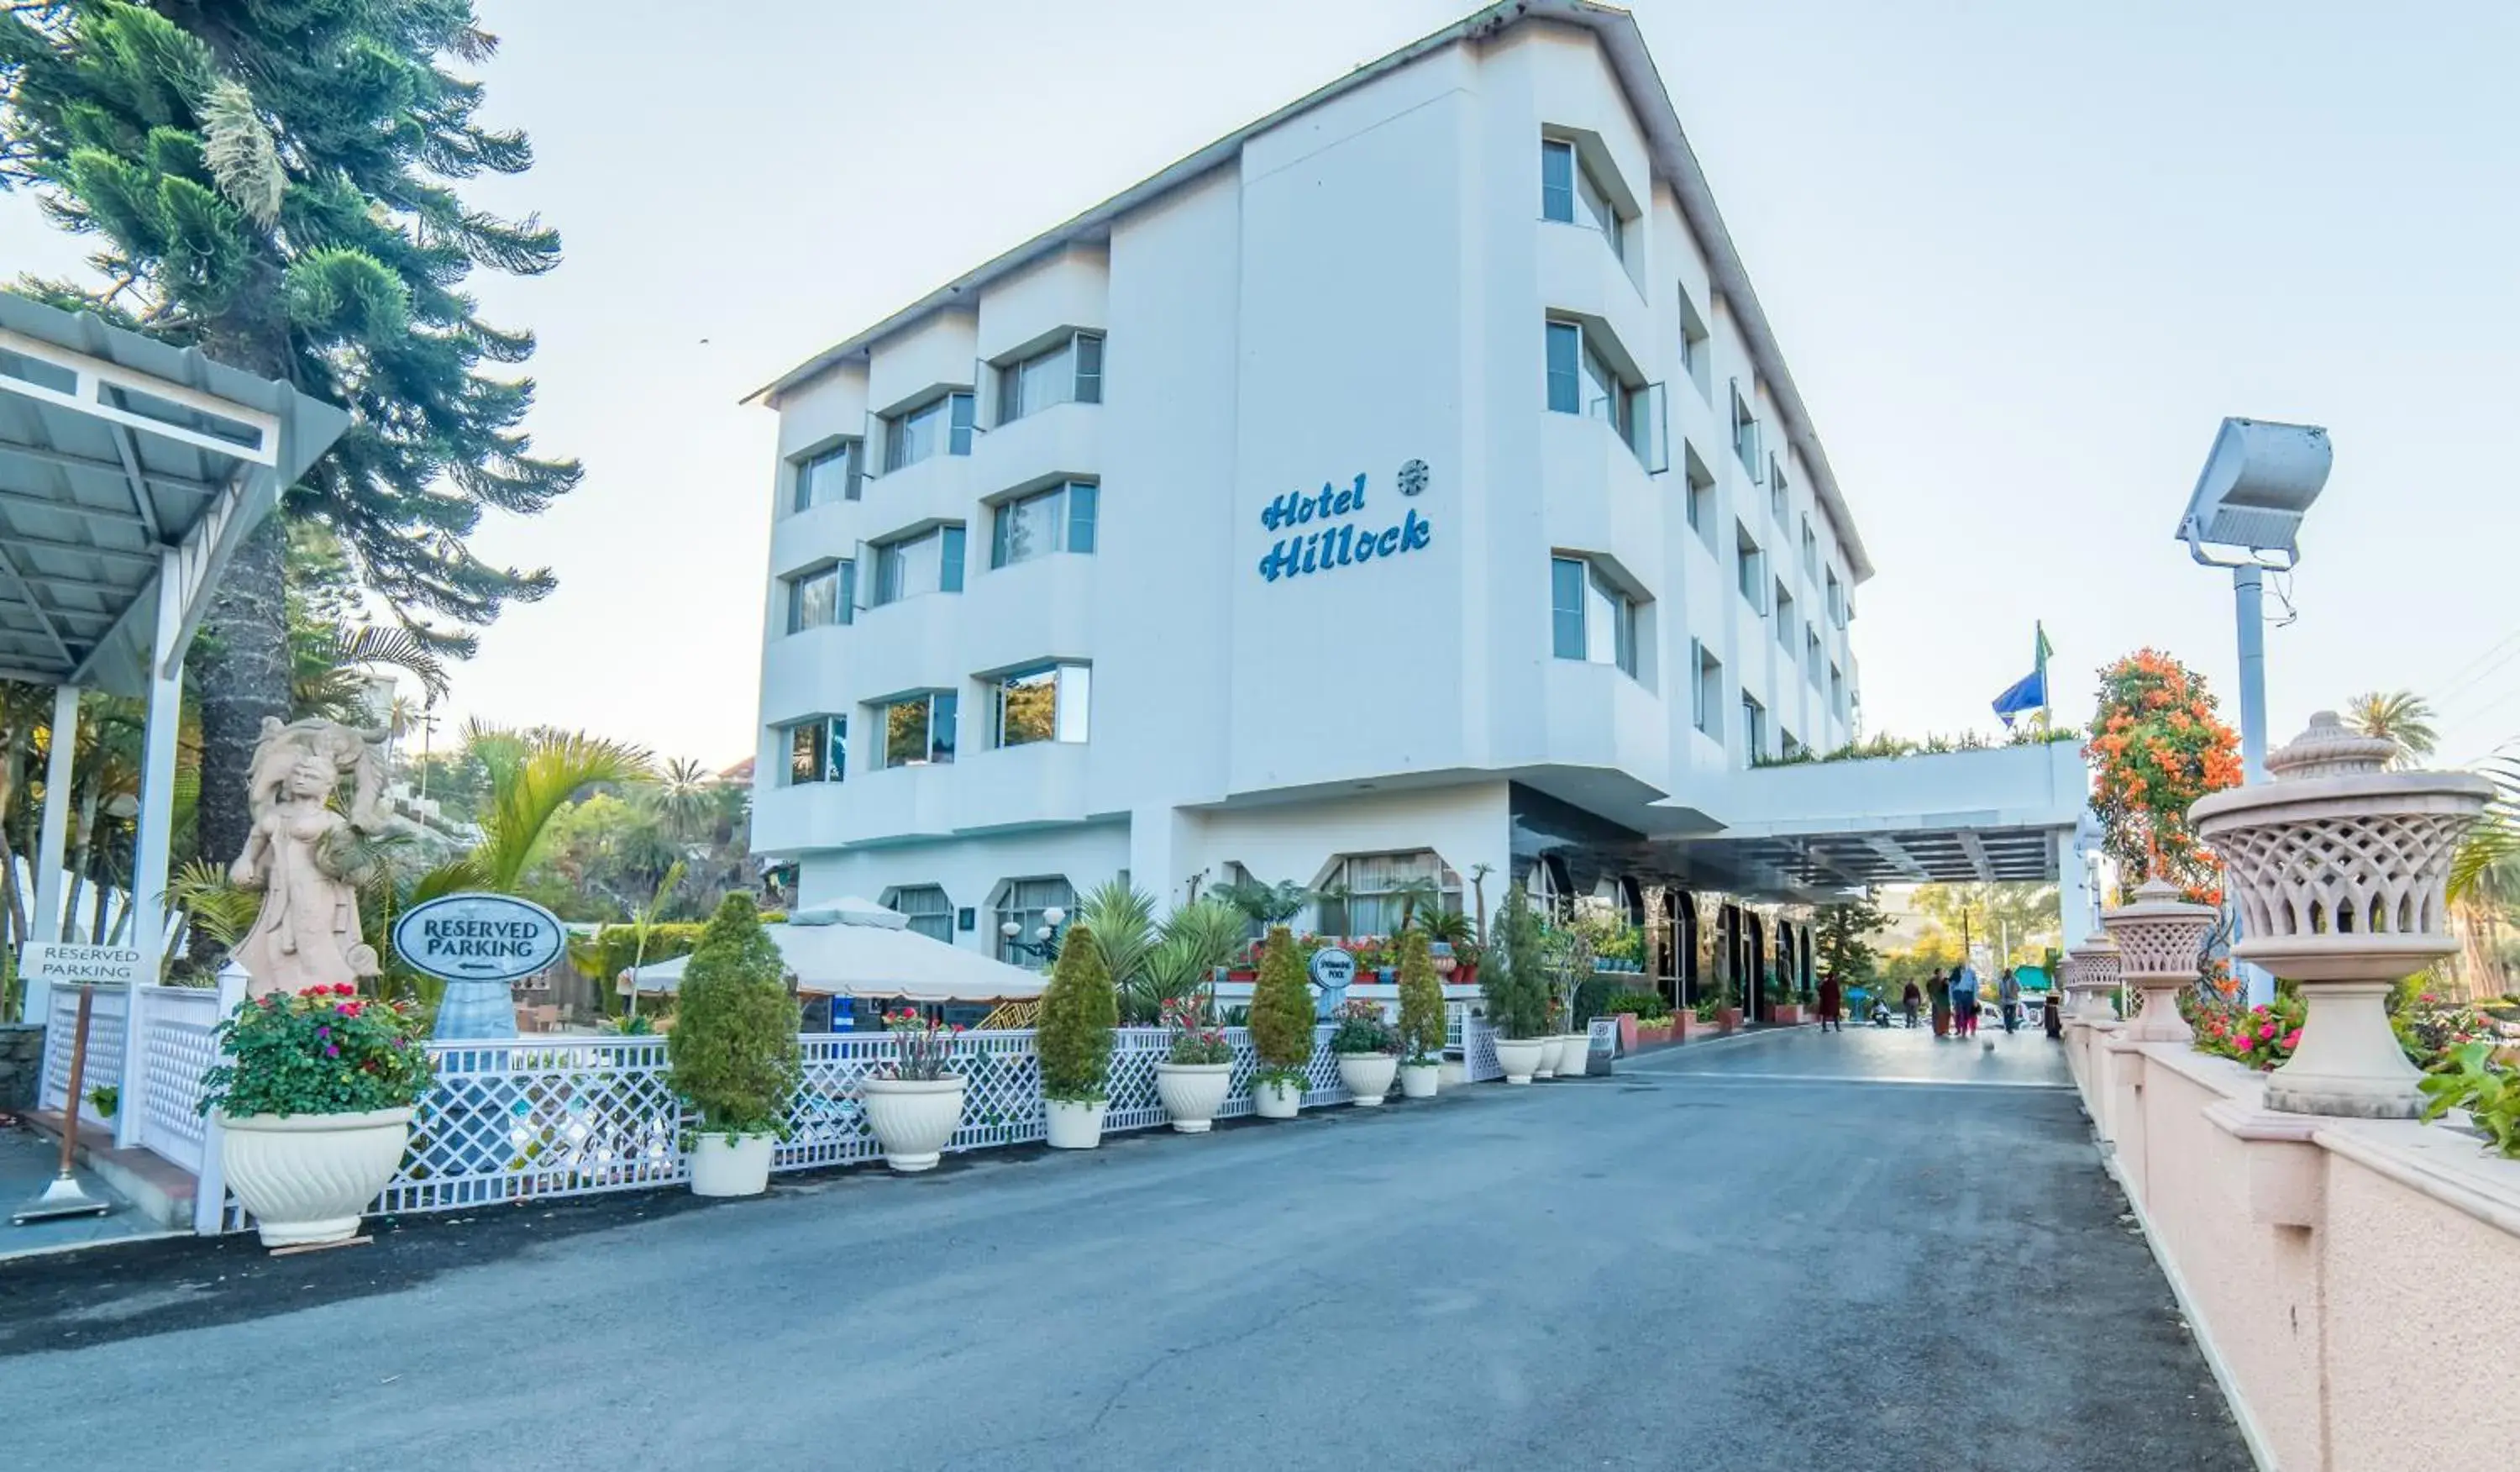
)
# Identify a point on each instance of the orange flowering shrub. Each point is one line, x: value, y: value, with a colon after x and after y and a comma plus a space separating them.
x: 2156, y: 747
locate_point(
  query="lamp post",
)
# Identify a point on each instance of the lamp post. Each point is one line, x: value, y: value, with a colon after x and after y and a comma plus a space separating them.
x: 2245, y: 514
x: 1044, y: 945
x: 2341, y: 868
x: 2158, y: 939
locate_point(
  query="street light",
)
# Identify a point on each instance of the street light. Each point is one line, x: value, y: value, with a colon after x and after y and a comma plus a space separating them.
x: 2259, y: 482
x: 1045, y: 942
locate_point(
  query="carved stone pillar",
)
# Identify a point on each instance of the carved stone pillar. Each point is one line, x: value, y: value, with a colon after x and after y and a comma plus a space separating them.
x: 2158, y: 938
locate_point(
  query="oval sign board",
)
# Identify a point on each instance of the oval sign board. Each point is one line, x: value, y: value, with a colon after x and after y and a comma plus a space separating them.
x: 1332, y: 968
x: 478, y: 938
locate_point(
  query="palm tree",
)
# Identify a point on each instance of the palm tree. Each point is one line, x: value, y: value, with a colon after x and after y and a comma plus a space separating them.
x: 686, y: 797
x: 2400, y: 716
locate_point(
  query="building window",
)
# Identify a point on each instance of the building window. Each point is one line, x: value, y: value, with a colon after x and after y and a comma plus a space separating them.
x: 930, y: 562
x: 918, y: 731
x: 828, y: 476
x: 822, y: 597
x: 930, y: 912
x: 1707, y: 707
x: 1754, y: 726
x: 1696, y: 351
x: 1702, y: 494
x: 1045, y: 703
x: 1069, y: 371
x: 1749, y: 567
x: 817, y: 750
x: 1784, y: 607
x: 1810, y: 552
x: 1813, y: 660
x: 1589, y: 617
x: 1057, y: 519
x: 1836, y: 600
x: 1838, y: 692
x: 1364, y: 894
x: 1570, y: 194
x: 1028, y: 904
x: 1582, y: 379
x: 942, y: 424
x: 1745, y: 433
x: 1789, y: 745
x: 1777, y: 494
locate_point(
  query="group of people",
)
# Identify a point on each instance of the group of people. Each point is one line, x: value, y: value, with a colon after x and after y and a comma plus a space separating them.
x: 1956, y: 1000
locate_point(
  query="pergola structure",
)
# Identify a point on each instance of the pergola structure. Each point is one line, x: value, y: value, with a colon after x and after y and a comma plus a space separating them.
x: 130, y: 472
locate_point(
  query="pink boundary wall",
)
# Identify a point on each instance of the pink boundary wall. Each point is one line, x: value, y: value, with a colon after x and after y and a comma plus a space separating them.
x: 2352, y: 1282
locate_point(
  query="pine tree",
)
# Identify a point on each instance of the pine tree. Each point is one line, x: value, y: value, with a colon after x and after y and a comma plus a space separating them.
x: 273, y: 181
x: 1281, y: 1007
x: 1078, y: 1011
x: 733, y: 1048
x: 1844, y: 953
x: 1515, y: 980
x: 1421, y: 1000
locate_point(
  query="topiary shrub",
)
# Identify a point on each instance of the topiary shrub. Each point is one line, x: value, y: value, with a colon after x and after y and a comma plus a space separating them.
x: 1515, y: 979
x: 1078, y: 1011
x: 1421, y: 1000
x: 732, y: 1051
x: 1281, y: 1011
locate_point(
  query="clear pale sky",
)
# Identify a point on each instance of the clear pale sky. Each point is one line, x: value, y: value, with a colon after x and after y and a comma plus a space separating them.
x: 2022, y: 259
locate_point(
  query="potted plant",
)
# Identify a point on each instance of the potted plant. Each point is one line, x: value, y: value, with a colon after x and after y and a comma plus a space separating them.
x: 1195, y: 1078
x: 313, y: 1093
x: 1078, y: 1011
x: 733, y: 1053
x: 1367, y: 1051
x: 912, y: 1104
x: 1282, y: 1028
x: 1515, y: 988
x: 107, y: 1098
x: 1422, y: 1017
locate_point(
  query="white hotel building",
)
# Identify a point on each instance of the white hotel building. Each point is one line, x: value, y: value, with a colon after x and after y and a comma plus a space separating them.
x: 1408, y: 483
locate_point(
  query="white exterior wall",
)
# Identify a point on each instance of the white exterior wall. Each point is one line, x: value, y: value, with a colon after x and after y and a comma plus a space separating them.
x: 1364, y: 285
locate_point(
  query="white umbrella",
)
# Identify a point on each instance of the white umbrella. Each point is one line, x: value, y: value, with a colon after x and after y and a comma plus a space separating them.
x: 855, y: 948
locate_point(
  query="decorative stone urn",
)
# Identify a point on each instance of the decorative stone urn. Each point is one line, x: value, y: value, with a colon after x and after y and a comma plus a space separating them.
x: 2158, y: 939
x: 2091, y: 977
x: 2341, y: 867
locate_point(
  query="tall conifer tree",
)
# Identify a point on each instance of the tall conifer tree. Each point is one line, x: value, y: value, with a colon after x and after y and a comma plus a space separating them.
x: 273, y: 181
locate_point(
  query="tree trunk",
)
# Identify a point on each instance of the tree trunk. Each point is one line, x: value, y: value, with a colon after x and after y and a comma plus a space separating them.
x: 96, y: 926
x: 82, y: 854
x: 240, y: 675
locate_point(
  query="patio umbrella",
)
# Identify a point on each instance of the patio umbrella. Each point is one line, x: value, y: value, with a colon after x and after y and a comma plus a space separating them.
x: 856, y: 948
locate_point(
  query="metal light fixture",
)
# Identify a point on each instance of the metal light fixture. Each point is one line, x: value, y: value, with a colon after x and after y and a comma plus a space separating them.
x: 1045, y: 942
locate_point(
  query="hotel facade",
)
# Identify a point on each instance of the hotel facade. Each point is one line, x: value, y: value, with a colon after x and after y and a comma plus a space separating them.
x: 1407, y: 484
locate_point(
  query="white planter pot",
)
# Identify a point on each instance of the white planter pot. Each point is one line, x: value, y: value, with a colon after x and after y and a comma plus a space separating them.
x: 1193, y: 1093
x: 913, y: 1119
x: 1549, y: 1048
x: 1277, y: 1101
x: 1574, y: 1055
x: 1419, y: 1081
x: 307, y: 1177
x: 740, y: 1169
x: 1367, y: 1076
x: 1076, y: 1126
x: 1519, y: 1057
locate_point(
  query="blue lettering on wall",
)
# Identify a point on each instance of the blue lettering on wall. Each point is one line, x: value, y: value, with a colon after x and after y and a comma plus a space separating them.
x: 1345, y: 544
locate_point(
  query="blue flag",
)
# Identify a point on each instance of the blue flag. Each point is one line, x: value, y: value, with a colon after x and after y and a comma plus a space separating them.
x: 2030, y: 692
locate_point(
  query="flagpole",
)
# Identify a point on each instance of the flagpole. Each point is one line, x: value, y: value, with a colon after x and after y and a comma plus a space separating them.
x: 2047, y: 718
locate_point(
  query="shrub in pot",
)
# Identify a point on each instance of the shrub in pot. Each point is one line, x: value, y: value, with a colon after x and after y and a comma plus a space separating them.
x: 1422, y: 1017
x: 314, y: 1094
x: 1079, y: 1008
x: 732, y: 1051
x: 1514, y: 981
x: 1282, y: 1028
x: 914, y: 1100
x: 1198, y: 1073
x: 1367, y: 1049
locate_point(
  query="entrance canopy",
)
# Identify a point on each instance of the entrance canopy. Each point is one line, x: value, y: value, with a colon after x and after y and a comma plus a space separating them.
x: 124, y: 461
x: 855, y: 948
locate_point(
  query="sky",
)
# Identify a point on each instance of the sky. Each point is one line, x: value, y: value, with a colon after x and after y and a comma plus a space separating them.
x: 2022, y: 260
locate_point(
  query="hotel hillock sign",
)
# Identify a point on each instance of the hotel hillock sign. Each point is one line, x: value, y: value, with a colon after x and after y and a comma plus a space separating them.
x: 479, y: 938
x: 1348, y: 543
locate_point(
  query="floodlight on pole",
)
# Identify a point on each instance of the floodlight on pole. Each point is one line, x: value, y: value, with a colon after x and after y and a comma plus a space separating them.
x: 2245, y: 514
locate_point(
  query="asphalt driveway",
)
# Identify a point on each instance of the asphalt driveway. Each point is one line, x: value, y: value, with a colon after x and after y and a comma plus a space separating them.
x: 1778, y: 1251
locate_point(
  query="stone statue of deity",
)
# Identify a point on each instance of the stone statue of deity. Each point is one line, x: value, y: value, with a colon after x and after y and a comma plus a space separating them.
x: 307, y: 934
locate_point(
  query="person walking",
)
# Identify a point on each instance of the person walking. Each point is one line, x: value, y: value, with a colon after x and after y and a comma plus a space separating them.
x: 1941, y: 987
x: 2008, y: 995
x: 1911, y: 1002
x: 1831, y: 999
x: 1965, y: 1000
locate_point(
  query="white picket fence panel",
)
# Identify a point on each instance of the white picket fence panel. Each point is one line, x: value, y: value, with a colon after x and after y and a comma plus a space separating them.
x: 106, y: 1028
x: 175, y: 1028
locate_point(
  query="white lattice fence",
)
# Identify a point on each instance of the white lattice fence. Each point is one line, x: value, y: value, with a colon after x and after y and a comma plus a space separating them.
x: 105, y: 1032
x: 1478, y: 1051
x: 177, y: 1046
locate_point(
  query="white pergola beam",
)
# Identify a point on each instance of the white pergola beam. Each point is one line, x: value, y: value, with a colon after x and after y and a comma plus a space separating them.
x: 1897, y: 857
x: 68, y: 461
x: 1975, y: 847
